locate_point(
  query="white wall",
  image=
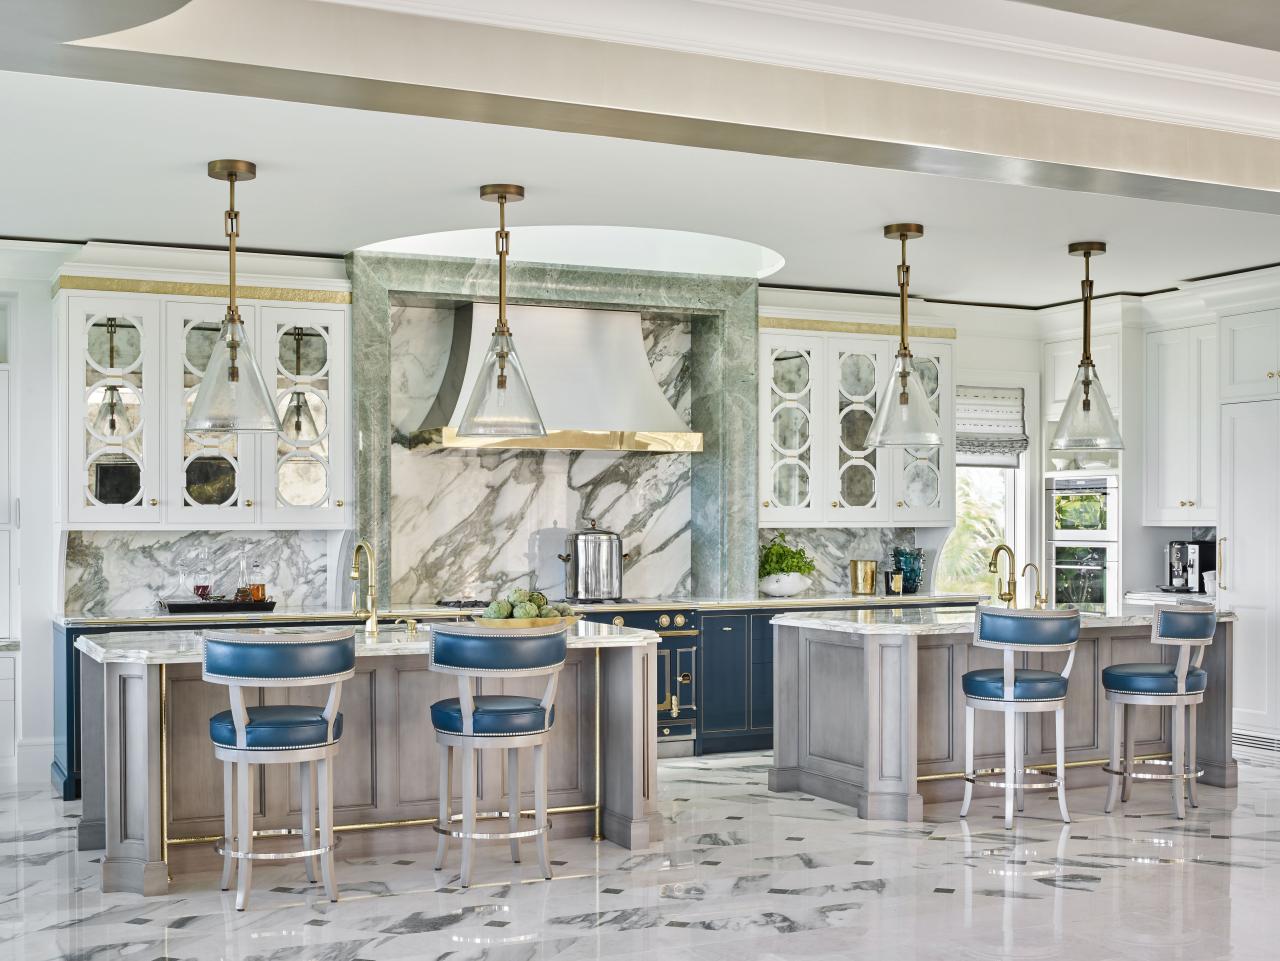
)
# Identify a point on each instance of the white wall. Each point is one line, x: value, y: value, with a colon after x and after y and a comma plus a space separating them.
x: 25, y: 274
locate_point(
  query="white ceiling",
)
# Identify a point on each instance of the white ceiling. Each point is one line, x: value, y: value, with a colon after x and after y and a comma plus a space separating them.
x: 84, y: 159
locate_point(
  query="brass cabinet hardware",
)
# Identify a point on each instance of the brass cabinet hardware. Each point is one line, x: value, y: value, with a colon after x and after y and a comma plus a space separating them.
x: 675, y: 704
x: 902, y: 503
x: 618, y: 620
x: 1270, y: 374
x: 680, y: 620
x: 664, y: 620
x: 694, y: 633
x: 154, y: 502
x: 1222, y: 564
x: 765, y: 503
x: 1182, y: 503
x: 1191, y: 503
x: 835, y: 503
x: 248, y: 502
x: 666, y: 730
x: 340, y: 503
x: 686, y: 678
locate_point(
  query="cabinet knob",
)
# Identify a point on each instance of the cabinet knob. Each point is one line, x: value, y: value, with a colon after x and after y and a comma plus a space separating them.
x: 686, y: 678
x: 835, y: 503
x: 340, y: 503
x: 902, y: 503
x: 154, y: 502
x: 618, y: 621
x: 764, y: 503
x: 1270, y: 374
x: 1182, y: 503
x: 666, y: 730
x: 248, y: 502
x: 1191, y: 503
x: 680, y: 621
x: 664, y: 620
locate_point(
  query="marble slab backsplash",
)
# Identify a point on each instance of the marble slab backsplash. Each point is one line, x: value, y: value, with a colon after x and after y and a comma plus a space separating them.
x: 109, y: 571
x: 832, y: 548
x: 473, y: 524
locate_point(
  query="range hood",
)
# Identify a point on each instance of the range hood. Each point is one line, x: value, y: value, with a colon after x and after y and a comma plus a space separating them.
x: 589, y: 374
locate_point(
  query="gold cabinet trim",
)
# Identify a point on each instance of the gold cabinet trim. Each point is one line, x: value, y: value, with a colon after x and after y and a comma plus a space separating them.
x: 187, y: 289
x: 853, y: 327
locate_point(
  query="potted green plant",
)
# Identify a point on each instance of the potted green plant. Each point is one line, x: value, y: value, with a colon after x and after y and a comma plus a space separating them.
x: 784, y: 570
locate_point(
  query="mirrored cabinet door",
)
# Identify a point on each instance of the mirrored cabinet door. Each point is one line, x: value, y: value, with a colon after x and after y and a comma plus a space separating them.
x: 112, y: 361
x: 791, y: 367
x: 924, y: 478
x: 856, y: 473
x: 304, y: 474
x: 209, y: 475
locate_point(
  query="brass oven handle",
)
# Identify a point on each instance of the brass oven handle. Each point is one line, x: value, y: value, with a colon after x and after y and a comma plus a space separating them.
x: 1222, y: 566
x: 675, y: 704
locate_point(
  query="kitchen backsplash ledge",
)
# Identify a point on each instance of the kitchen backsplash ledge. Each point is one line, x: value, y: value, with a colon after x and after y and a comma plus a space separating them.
x: 832, y: 548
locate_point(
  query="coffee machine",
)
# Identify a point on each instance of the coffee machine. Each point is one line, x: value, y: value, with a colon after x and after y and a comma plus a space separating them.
x: 1188, y: 562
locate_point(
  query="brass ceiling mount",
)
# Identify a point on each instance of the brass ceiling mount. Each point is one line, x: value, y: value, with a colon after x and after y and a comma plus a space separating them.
x: 240, y: 170
x: 904, y: 231
x: 494, y: 193
x: 1090, y: 247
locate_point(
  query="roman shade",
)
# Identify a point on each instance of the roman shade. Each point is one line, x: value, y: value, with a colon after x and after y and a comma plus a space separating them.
x: 990, y: 426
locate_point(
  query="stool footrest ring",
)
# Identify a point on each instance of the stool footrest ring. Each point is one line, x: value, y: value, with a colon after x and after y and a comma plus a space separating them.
x: 1134, y: 769
x: 531, y: 832
x: 221, y: 847
x: 1036, y: 780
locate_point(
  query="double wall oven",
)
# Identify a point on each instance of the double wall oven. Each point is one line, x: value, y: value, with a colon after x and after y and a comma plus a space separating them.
x: 1082, y: 518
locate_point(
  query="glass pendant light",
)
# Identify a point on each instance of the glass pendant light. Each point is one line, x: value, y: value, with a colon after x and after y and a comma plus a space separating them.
x: 299, y: 425
x: 904, y: 418
x: 1087, y: 422
x: 232, y: 395
x: 113, y: 420
x: 501, y: 404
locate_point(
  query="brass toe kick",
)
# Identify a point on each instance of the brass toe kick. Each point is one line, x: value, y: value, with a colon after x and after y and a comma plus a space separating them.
x: 1163, y: 771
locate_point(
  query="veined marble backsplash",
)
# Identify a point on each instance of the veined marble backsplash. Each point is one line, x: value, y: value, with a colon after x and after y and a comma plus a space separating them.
x: 832, y: 548
x: 110, y: 571
x: 476, y: 523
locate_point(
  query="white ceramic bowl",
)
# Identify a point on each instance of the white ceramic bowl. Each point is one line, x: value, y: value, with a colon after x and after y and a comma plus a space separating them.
x: 784, y: 585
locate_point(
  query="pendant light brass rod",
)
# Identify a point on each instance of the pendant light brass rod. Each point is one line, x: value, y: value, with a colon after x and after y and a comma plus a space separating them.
x: 904, y: 281
x: 504, y: 246
x: 231, y: 227
x: 1086, y: 297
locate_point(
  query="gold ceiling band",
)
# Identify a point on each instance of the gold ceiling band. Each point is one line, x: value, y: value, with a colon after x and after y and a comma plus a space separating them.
x: 853, y: 327
x: 186, y: 289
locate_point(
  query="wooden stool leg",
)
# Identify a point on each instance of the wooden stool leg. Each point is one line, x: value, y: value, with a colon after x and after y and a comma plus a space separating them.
x: 513, y: 792
x: 1193, y: 760
x: 244, y: 824
x: 324, y: 772
x: 1129, y: 736
x: 1177, y: 760
x: 307, y: 798
x: 1117, y: 755
x: 468, y: 810
x: 445, y: 787
x: 1060, y: 750
x: 228, y: 823
x: 540, y: 805
x: 1010, y: 750
x: 969, y: 717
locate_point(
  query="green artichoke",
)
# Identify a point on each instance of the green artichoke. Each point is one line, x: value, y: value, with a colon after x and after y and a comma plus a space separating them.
x: 518, y: 596
x: 537, y: 597
x: 546, y: 610
x: 524, y: 610
x: 564, y: 609
x: 498, y: 608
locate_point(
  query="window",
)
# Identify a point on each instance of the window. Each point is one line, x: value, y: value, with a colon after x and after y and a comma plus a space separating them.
x: 986, y: 515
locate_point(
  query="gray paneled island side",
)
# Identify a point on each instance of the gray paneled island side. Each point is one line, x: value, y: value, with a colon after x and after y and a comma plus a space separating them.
x: 869, y: 711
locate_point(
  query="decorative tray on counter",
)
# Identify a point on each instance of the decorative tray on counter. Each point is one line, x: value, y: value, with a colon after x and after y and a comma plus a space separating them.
x: 219, y: 606
x: 517, y: 622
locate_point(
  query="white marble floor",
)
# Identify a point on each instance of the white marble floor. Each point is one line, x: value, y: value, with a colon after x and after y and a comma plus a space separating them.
x: 743, y: 875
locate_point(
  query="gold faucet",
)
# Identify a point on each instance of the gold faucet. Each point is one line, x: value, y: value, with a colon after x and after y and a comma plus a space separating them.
x: 1040, y: 598
x: 370, y: 609
x: 1010, y: 594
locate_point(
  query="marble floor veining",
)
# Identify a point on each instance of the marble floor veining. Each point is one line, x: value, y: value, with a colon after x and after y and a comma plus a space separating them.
x: 743, y: 874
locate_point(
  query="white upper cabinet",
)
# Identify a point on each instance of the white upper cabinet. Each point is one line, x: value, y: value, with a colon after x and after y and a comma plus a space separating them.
x: 1181, y: 426
x: 133, y: 364
x: 1249, y: 344
x: 1061, y: 360
x: 818, y: 398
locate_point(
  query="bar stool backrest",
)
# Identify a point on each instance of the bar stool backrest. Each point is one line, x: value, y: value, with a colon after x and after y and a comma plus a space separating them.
x: 1016, y: 631
x: 260, y: 657
x: 1188, y: 627
x: 471, y: 651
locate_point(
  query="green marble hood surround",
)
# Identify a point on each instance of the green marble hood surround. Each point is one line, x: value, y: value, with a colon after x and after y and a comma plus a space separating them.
x: 723, y: 361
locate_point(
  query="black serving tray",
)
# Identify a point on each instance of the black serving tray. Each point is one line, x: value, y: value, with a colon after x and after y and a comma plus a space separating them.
x: 218, y: 607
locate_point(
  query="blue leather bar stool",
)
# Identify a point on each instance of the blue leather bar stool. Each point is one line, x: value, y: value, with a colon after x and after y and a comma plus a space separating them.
x: 1178, y: 686
x: 1019, y: 690
x: 277, y: 734
x: 473, y: 721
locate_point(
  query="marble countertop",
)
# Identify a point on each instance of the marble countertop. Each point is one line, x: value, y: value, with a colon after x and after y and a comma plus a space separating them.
x: 183, y: 647
x: 424, y: 612
x: 934, y: 621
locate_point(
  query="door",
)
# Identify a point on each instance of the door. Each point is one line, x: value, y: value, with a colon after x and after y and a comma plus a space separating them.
x: 1248, y: 559
x: 790, y: 386
x: 1172, y: 471
x: 113, y: 403
x: 210, y: 477
x: 1249, y: 345
x: 923, y: 484
x: 725, y: 674
x: 1204, y: 501
x: 857, y: 475
x: 1062, y: 358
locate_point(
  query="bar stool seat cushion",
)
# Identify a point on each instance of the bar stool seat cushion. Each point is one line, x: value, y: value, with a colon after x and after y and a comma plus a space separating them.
x: 277, y: 727
x: 495, y: 715
x: 1028, y: 684
x: 1151, y: 679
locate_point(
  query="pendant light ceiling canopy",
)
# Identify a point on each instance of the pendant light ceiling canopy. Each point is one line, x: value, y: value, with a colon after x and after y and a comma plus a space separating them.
x: 904, y: 418
x: 501, y: 403
x: 232, y: 395
x: 1087, y: 422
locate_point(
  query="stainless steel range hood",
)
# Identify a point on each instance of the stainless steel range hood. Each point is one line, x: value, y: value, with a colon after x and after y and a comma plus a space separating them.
x: 589, y: 374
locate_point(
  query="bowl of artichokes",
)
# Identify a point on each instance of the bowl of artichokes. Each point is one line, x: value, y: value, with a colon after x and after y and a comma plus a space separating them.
x: 521, y: 608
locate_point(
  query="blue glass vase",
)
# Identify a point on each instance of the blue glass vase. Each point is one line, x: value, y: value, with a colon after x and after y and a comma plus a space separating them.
x: 910, y: 560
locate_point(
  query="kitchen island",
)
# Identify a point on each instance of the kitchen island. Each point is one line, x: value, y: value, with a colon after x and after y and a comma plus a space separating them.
x: 869, y: 711
x: 153, y: 790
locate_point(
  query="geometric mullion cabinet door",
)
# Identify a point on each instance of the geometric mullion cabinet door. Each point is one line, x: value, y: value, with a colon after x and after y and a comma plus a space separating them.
x: 304, y: 470
x: 210, y: 476
x: 857, y: 480
x: 923, y: 483
x: 112, y: 364
x: 791, y: 385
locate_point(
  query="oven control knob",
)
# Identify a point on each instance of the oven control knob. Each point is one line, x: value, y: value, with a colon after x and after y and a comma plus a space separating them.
x: 618, y: 621
x: 664, y: 620
x: 680, y: 621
